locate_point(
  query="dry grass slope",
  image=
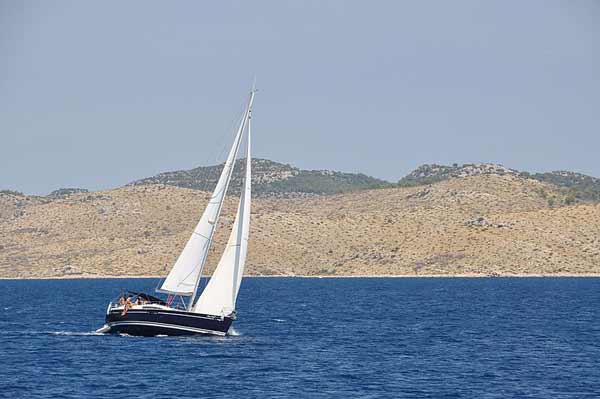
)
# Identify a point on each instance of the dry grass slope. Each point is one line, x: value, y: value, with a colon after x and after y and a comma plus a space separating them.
x: 477, y: 225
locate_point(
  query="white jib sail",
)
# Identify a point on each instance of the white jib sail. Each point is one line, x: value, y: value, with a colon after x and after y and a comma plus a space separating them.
x: 184, y: 276
x: 220, y: 294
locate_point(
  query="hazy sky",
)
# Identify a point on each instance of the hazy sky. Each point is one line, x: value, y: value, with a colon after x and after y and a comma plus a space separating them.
x: 97, y: 94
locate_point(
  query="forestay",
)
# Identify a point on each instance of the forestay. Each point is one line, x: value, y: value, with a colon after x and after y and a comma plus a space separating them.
x: 219, y: 296
x: 185, y: 274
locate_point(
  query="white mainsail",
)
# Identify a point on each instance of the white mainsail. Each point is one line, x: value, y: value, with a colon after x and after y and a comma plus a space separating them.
x: 220, y: 294
x: 185, y: 274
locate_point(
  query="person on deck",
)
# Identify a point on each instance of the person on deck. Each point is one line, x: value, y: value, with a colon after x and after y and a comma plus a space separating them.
x: 127, y: 306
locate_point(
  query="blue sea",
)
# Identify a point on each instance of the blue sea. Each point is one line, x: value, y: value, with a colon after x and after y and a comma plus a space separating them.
x: 315, y: 338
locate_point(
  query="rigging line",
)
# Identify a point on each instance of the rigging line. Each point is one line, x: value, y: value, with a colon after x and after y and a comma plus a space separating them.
x: 244, y: 121
x: 232, y: 128
x: 214, y: 170
x: 228, y: 130
x: 199, y: 264
x: 222, y: 143
x: 232, y: 131
x: 201, y: 235
x: 190, y: 273
x: 159, y: 283
x: 228, y: 171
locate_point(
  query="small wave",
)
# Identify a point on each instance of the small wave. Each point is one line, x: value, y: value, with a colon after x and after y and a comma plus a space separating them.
x: 279, y: 320
x: 161, y: 335
x: 7, y: 308
x: 75, y: 333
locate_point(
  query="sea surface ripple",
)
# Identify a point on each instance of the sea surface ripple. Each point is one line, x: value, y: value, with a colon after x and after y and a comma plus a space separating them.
x: 315, y: 338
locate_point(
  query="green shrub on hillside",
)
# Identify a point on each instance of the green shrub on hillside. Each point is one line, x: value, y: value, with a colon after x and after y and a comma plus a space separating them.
x: 578, y: 187
x: 12, y: 192
x: 270, y: 177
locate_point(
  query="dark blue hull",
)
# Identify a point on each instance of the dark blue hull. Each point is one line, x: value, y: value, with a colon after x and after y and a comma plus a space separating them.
x: 151, y: 322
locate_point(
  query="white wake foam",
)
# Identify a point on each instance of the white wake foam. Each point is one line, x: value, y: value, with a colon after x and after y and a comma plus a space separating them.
x: 233, y: 332
x: 75, y: 333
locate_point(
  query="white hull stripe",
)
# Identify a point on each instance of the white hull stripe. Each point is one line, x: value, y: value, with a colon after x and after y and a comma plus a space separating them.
x: 186, y: 314
x: 164, y: 325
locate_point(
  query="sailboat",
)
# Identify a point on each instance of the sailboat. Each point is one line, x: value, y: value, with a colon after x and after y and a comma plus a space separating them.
x: 214, y: 310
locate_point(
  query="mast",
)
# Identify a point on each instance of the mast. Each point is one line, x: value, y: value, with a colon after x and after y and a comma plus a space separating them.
x: 214, y: 222
x: 184, y: 276
x: 244, y: 214
x: 220, y: 294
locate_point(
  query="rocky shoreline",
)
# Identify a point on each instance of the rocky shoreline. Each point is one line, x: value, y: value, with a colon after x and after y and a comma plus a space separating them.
x: 559, y: 275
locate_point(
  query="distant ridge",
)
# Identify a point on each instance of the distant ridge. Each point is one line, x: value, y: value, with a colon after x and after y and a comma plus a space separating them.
x: 270, y: 178
x: 433, y: 173
x: 575, y: 187
x: 277, y: 179
x: 65, y: 192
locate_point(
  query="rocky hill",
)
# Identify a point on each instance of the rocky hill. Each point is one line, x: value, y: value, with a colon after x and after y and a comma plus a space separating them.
x: 573, y: 187
x: 269, y: 179
x: 496, y: 223
x: 65, y: 192
x: 428, y: 174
